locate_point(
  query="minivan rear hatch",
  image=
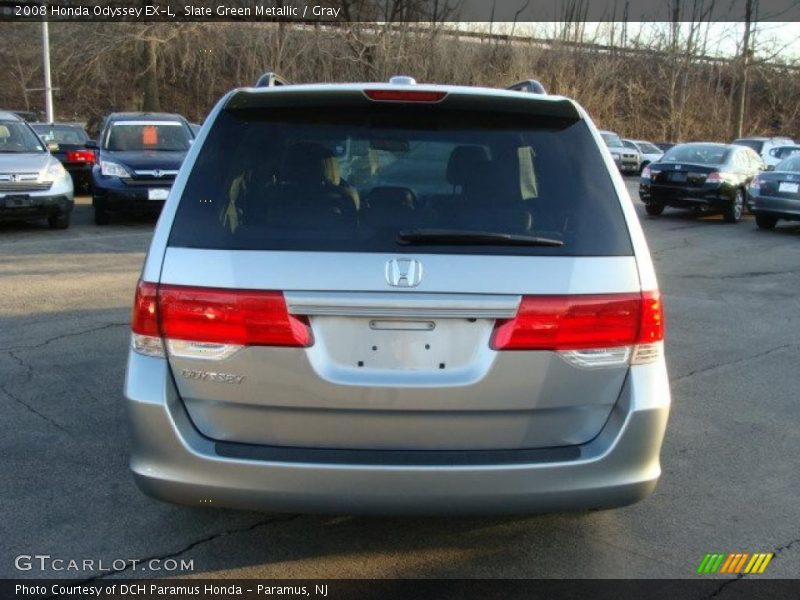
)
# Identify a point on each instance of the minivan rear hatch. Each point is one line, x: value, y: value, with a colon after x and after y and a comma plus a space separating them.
x: 379, y: 271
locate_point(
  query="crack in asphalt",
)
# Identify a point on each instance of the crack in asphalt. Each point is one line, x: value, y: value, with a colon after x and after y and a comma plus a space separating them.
x: 31, y: 409
x: 777, y: 551
x: 28, y: 377
x: 63, y: 336
x: 29, y: 369
x: 191, y: 546
x: 731, y: 362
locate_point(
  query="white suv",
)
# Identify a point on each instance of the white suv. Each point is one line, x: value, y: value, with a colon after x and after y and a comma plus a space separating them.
x: 764, y: 146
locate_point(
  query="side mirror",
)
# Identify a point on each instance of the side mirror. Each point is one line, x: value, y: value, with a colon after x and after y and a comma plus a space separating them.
x: 92, y: 145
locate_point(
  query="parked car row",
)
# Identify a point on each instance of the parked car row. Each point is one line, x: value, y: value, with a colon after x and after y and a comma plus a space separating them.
x: 132, y: 165
x: 130, y: 168
x: 725, y: 178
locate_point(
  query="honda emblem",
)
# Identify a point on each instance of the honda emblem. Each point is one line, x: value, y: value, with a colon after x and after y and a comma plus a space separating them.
x: 403, y: 272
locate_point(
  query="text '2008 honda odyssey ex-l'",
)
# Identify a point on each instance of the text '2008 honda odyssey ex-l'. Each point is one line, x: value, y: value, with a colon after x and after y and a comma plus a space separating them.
x: 397, y: 298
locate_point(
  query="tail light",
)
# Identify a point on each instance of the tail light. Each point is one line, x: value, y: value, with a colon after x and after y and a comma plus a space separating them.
x: 755, y: 186
x: 405, y: 95
x: 84, y: 156
x: 588, y: 330
x: 212, y: 323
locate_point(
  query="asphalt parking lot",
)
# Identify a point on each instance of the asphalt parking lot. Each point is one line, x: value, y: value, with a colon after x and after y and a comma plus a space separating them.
x: 730, y: 480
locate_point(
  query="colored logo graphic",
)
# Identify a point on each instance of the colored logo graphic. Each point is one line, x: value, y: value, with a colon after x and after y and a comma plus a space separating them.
x: 734, y: 563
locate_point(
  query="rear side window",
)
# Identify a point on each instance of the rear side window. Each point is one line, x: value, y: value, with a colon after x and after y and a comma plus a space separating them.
x: 355, y: 179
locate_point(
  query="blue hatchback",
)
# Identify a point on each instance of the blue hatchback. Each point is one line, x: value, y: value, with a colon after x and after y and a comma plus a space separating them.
x: 139, y: 155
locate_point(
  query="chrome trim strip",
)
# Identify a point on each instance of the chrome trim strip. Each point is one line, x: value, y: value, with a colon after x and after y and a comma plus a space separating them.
x: 352, y: 304
x: 161, y: 172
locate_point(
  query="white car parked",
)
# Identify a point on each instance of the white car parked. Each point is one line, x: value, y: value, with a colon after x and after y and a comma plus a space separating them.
x: 779, y: 154
x: 764, y: 147
x: 648, y: 152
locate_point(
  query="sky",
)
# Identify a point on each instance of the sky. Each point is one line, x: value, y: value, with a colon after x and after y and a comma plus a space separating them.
x: 774, y: 40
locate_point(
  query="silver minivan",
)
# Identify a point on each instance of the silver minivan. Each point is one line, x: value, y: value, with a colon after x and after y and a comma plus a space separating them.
x: 397, y: 298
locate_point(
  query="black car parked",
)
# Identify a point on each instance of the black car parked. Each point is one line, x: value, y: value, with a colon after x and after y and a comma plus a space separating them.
x: 139, y: 155
x: 701, y: 176
x: 776, y: 194
x: 67, y: 142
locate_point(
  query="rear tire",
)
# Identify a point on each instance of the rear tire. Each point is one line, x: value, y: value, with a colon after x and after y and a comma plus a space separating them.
x: 101, y: 216
x: 59, y: 221
x: 733, y: 212
x: 654, y: 208
x: 766, y: 221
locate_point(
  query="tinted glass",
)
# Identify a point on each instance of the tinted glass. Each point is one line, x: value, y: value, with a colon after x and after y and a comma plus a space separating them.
x: 350, y: 180
x: 61, y: 134
x: 649, y: 148
x: 787, y: 151
x: 701, y: 154
x: 612, y: 140
x: 754, y: 144
x: 17, y: 137
x: 140, y: 135
x: 790, y: 164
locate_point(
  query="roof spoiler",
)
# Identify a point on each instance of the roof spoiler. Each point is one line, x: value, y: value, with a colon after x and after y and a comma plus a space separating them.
x: 529, y: 86
x: 270, y: 79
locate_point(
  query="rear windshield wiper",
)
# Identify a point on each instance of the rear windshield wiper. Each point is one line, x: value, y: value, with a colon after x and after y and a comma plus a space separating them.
x: 459, y: 237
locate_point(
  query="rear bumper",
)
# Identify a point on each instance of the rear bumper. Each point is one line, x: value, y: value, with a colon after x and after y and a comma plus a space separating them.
x: 782, y: 208
x: 172, y: 461
x: 681, y: 197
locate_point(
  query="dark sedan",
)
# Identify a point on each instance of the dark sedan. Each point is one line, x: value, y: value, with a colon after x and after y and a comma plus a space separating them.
x: 139, y: 155
x: 704, y: 177
x: 67, y: 142
x: 776, y: 194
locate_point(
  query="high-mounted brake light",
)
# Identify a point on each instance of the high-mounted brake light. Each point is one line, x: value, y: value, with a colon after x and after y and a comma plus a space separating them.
x: 590, y: 330
x: 212, y: 323
x: 405, y: 95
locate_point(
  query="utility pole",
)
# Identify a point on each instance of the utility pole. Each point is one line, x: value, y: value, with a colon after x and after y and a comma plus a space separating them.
x: 747, y: 52
x: 48, y: 87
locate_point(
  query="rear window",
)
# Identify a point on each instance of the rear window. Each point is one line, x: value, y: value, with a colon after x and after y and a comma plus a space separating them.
x: 699, y: 154
x: 62, y: 134
x: 358, y: 180
x: 789, y: 164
